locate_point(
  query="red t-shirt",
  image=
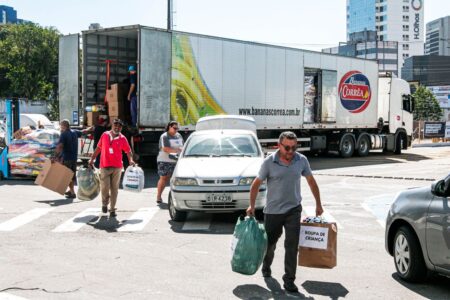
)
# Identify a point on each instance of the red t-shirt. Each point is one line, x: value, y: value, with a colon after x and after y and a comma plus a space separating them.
x: 111, y: 150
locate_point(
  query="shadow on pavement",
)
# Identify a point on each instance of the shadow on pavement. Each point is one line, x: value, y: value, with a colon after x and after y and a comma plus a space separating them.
x: 56, y: 202
x: 333, y: 161
x: 204, y: 223
x: 333, y: 290
x: 105, y: 223
x: 274, y: 291
x: 436, y: 287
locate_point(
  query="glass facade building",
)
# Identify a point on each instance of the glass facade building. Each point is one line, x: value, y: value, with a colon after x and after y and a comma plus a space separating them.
x: 360, y: 16
x: 8, y: 15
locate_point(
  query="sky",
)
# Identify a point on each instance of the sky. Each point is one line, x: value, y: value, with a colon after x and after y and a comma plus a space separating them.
x: 303, y: 24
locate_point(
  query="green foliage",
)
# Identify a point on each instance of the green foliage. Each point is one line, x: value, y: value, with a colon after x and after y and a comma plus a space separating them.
x: 53, y: 110
x: 28, y: 61
x: 426, y: 106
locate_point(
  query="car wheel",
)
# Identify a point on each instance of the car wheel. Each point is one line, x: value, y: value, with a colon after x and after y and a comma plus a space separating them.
x: 259, y: 215
x: 408, y: 256
x: 175, y: 214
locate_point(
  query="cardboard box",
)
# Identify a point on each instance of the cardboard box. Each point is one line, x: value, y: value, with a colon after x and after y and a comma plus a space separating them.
x: 115, y: 109
x: 118, y: 93
x: 55, y: 177
x: 92, y: 118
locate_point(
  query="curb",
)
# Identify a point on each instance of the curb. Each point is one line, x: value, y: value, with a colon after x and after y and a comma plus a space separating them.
x: 431, y: 145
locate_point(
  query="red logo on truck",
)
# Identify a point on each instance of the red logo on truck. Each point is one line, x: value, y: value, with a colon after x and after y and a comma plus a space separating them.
x: 355, y: 92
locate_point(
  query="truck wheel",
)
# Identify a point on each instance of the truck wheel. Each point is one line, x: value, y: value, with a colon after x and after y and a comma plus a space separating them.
x: 408, y: 256
x: 175, y: 214
x: 399, y: 141
x: 363, y: 146
x: 347, y: 146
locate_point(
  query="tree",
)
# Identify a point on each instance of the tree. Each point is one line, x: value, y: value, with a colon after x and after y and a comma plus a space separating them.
x: 28, y: 60
x: 427, y: 107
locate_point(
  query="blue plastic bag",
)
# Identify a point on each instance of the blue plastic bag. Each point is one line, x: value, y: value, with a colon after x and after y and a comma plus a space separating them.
x: 249, y: 246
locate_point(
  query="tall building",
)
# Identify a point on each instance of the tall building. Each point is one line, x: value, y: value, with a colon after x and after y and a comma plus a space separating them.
x: 394, y: 20
x: 438, y: 37
x: 8, y: 15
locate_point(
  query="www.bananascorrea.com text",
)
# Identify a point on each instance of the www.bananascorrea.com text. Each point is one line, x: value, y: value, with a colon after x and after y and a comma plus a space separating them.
x: 268, y: 112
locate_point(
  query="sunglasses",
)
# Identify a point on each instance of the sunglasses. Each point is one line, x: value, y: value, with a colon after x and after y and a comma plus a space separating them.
x: 176, y: 128
x: 289, y: 148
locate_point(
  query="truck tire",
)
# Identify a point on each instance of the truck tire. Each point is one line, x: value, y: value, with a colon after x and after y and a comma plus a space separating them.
x: 175, y: 214
x: 363, y: 146
x: 347, y: 146
x: 399, y: 141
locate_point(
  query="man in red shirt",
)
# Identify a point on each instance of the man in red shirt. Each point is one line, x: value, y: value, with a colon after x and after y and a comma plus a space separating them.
x: 111, y: 145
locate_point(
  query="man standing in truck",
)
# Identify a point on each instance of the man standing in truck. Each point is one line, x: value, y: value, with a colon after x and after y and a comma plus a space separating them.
x: 283, y: 170
x: 132, y: 94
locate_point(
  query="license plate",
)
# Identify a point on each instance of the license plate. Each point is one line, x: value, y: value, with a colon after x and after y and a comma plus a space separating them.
x: 223, y: 197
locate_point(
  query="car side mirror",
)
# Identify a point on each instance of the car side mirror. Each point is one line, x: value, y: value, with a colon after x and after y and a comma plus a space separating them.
x: 441, y: 188
x: 173, y: 156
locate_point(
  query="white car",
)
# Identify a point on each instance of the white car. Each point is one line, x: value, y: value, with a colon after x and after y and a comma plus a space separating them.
x: 216, y: 168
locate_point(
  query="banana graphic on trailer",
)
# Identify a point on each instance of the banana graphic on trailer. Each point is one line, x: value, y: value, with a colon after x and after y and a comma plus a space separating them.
x: 190, y: 98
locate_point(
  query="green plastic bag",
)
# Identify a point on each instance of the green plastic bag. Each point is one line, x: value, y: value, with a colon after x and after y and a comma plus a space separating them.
x: 88, y: 183
x: 249, y: 246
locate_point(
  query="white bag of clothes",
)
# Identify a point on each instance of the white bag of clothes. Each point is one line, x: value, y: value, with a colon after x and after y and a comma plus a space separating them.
x: 133, y: 180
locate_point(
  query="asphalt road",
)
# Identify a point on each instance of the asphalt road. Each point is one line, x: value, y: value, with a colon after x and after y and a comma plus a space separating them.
x: 52, y: 248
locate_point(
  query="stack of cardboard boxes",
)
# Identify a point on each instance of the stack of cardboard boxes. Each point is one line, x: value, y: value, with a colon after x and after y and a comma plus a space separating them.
x: 116, y: 97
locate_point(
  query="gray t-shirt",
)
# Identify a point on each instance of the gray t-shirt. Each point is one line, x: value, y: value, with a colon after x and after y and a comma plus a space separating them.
x: 283, y: 182
x: 172, y: 141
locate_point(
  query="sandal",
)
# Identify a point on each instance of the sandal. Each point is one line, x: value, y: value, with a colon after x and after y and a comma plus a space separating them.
x: 159, y: 201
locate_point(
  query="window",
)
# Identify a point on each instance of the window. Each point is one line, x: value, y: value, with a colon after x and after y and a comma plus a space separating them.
x: 405, y: 18
x: 405, y: 55
x: 405, y: 27
x: 405, y: 46
x: 405, y: 8
x: 406, y: 37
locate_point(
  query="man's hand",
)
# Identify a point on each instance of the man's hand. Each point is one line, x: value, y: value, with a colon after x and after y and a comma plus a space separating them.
x: 250, y: 211
x: 319, y: 210
x: 91, y: 163
x: 128, y: 98
x: 132, y: 163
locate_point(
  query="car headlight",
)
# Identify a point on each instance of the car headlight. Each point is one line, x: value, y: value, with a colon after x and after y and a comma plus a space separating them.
x: 185, y: 181
x: 246, y: 180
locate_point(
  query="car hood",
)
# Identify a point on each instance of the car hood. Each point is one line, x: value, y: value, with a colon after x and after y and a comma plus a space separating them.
x: 218, y: 167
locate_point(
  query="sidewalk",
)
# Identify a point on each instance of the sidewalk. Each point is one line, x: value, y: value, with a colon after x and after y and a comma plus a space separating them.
x: 429, y: 143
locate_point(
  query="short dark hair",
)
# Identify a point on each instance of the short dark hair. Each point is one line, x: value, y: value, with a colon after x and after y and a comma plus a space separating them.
x: 287, y: 135
x: 65, y: 122
x: 170, y: 124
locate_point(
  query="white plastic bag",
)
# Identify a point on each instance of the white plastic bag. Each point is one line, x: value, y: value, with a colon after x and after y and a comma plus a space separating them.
x: 133, y: 180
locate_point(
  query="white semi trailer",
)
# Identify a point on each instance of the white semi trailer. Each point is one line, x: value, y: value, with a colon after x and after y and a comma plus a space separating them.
x: 332, y: 103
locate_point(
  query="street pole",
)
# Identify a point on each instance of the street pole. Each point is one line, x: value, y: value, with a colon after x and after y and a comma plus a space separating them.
x: 169, y: 14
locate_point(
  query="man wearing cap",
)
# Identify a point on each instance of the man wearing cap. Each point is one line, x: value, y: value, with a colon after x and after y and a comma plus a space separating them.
x: 111, y: 145
x: 132, y: 96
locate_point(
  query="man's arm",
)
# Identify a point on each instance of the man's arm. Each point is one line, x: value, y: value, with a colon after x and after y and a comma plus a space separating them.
x: 94, y: 155
x: 316, y: 193
x: 254, y: 189
x: 132, y: 87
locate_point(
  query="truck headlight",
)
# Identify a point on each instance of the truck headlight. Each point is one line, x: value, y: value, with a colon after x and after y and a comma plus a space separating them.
x: 246, y: 180
x: 185, y: 181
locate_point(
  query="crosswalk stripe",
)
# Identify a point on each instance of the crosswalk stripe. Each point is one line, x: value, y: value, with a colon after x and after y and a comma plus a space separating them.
x: 139, y: 219
x: 24, y: 218
x: 310, y: 211
x: 202, y: 224
x: 78, y: 221
x: 6, y: 296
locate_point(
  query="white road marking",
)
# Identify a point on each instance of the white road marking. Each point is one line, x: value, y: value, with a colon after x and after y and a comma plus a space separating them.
x: 139, y: 219
x: 310, y: 211
x: 6, y: 296
x: 24, y: 218
x: 202, y: 224
x: 78, y: 221
x: 379, y: 206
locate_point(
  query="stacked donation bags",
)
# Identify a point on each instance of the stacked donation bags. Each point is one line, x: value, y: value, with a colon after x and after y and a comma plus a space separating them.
x: 26, y: 155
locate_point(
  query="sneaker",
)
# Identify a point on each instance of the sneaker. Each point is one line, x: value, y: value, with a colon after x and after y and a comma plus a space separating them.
x: 159, y: 201
x: 290, y: 287
x: 112, y: 214
x: 67, y: 193
x: 104, y: 209
x: 71, y: 196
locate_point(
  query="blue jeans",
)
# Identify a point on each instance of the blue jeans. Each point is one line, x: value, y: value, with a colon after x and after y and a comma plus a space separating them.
x: 133, y: 109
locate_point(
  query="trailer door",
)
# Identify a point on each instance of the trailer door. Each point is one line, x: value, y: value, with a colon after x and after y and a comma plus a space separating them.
x: 154, y: 78
x: 329, y: 96
x: 69, y: 78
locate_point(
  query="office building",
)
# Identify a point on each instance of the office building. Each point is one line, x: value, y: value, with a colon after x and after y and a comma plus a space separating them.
x: 438, y: 37
x: 398, y: 21
x: 8, y: 15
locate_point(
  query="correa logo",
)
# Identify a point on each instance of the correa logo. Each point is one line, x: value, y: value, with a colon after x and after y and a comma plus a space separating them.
x: 355, y: 92
x: 416, y: 4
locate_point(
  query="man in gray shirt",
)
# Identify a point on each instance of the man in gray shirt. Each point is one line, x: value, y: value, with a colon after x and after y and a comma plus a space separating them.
x: 283, y: 170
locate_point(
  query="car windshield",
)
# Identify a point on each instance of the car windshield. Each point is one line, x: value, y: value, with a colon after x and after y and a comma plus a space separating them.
x: 222, y: 145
